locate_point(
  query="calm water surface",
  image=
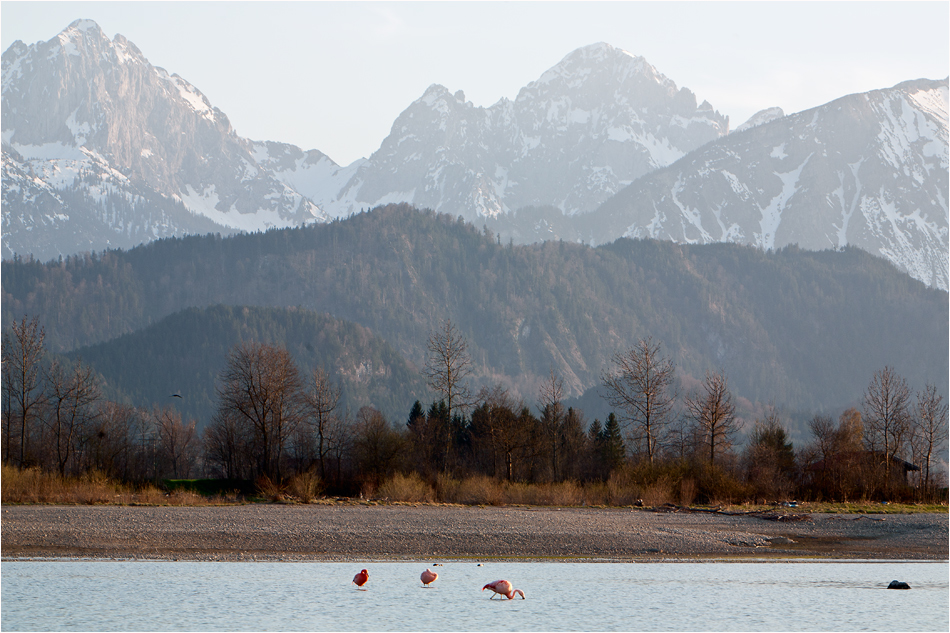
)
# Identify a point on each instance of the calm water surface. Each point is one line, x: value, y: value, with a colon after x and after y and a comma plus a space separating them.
x: 714, y: 596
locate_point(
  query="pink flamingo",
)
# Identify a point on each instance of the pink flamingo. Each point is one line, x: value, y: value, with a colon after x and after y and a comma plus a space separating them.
x: 503, y: 588
x: 360, y: 579
x: 428, y: 577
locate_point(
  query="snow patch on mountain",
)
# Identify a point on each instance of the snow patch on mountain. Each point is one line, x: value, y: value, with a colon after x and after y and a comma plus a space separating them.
x: 867, y: 170
x: 772, y: 214
x: 609, y: 111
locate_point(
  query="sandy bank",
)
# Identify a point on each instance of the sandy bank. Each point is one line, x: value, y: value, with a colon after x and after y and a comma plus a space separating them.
x: 349, y: 532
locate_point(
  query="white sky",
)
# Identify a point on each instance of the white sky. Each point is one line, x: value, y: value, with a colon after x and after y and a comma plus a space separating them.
x: 333, y: 76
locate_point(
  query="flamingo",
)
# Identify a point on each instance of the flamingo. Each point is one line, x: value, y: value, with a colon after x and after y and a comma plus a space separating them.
x: 428, y: 577
x: 503, y: 588
x: 360, y: 579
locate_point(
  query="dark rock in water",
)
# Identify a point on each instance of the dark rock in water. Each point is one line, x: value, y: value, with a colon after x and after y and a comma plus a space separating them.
x: 897, y: 584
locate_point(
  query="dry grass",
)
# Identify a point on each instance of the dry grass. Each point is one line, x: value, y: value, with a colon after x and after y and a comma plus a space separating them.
x: 658, y: 493
x: 622, y: 489
x: 477, y: 490
x: 409, y: 488
x: 688, y: 491
x: 305, y: 487
x: 32, y: 485
x: 567, y: 493
x: 269, y: 489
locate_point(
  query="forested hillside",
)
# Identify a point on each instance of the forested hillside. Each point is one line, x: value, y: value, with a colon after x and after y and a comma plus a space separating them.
x: 185, y: 353
x: 794, y: 328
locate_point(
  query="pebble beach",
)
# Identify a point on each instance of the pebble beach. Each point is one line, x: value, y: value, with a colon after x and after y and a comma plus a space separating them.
x: 346, y: 532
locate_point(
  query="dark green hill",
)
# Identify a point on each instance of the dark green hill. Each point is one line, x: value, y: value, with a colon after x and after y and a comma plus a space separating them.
x: 798, y: 328
x: 184, y: 353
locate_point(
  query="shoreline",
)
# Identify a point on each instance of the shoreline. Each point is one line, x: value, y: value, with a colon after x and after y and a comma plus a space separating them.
x: 471, y: 533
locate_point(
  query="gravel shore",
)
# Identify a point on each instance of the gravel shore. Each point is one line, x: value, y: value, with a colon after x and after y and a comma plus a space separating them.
x: 417, y: 532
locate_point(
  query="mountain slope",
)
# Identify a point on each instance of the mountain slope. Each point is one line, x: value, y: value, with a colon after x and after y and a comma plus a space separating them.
x: 593, y: 123
x: 82, y: 107
x: 867, y: 170
x: 185, y: 352
x: 806, y: 329
x: 103, y: 150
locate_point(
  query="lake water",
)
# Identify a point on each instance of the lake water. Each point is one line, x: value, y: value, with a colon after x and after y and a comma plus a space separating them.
x: 83, y: 595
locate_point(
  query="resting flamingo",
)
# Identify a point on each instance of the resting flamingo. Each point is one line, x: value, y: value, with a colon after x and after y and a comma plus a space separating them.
x: 428, y: 577
x: 360, y: 579
x: 503, y: 588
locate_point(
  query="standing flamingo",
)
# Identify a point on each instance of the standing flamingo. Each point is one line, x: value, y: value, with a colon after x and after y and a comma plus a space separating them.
x: 428, y: 577
x: 503, y: 588
x: 360, y: 579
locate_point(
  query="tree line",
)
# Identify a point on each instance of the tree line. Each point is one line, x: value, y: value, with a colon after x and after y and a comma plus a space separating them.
x: 273, y: 422
x: 788, y: 325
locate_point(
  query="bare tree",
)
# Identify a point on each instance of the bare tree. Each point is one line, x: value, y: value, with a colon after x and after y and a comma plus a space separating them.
x: 377, y: 446
x: 770, y: 458
x: 23, y: 384
x: 72, y: 397
x: 640, y: 385
x: 321, y: 398
x: 713, y: 413
x: 226, y: 444
x: 177, y: 441
x: 260, y: 387
x: 826, y: 437
x: 550, y: 403
x: 117, y: 442
x: 448, y: 365
x: 886, y: 415
x: 929, y: 430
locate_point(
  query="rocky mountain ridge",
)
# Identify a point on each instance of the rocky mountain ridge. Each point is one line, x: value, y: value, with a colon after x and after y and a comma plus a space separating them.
x: 867, y: 170
x: 103, y: 150
x: 92, y: 117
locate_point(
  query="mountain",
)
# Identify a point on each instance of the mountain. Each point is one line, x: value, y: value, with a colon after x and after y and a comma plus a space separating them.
x: 185, y: 352
x: 867, y: 170
x: 86, y: 118
x: 103, y: 150
x: 797, y: 328
x: 590, y: 125
x: 120, y: 152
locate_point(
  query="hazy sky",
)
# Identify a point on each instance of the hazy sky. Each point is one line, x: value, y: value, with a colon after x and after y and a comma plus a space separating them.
x: 334, y: 76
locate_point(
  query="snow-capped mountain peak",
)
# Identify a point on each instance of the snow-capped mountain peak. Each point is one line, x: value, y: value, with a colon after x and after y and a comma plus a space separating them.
x: 867, y: 170
x: 602, y: 144
x: 612, y: 113
x: 96, y: 116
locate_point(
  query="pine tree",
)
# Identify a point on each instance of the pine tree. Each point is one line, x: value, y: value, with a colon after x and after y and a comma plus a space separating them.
x: 613, y: 447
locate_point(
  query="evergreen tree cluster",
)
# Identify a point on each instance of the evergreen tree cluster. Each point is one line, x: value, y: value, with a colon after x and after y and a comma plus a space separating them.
x: 796, y: 328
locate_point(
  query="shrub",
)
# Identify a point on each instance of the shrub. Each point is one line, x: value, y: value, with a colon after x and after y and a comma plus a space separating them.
x: 621, y: 488
x: 595, y: 494
x: 305, y: 486
x: 479, y: 490
x: 716, y: 485
x: 409, y: 488
x: 269, y: 489
x: 658, y: 493
x: 687, y: 491
x: 446, y: 488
